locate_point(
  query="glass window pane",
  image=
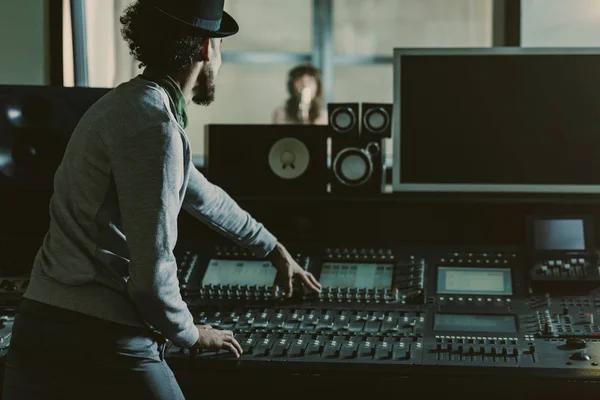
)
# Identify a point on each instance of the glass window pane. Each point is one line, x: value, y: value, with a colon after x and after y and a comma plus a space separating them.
x: 245, y: 93
x: 560, y: 23
x: 271, y: 25
x: 375, y: 27
x: 108, y: 58
x: 364, y: 84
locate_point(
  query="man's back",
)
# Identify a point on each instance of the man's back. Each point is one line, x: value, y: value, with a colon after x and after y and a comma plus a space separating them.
x: 86, y: 242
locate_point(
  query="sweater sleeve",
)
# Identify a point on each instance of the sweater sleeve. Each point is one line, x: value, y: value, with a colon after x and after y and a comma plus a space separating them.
x: 214, y: 207
x: 149, y: 172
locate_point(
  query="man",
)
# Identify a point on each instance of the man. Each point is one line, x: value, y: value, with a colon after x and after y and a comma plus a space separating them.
x: 106, y: 270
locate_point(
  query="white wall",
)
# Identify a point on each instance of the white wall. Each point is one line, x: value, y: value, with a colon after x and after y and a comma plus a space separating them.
x: 560, y: 23
x: 23, y: 42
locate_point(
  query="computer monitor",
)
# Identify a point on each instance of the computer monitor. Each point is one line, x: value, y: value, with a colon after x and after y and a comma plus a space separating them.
x: 518, y: 120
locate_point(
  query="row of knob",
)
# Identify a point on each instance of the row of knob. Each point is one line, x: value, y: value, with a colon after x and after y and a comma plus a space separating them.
x: 462, y: 353
x: 240, y: 292
x: 473, y: 300
x: 477, y: 340
x: 330, y: 349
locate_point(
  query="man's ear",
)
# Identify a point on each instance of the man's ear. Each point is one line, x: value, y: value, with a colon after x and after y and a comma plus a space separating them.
x: 204, y: 50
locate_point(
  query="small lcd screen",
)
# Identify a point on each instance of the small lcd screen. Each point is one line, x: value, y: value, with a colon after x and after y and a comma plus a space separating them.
x: 475, y: 323
x: 559, y: 234
x: 484, y: 281
x: 232, y: 272
x: 360, y: 276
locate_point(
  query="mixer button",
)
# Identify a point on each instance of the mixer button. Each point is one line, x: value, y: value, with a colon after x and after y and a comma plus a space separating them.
x: 331, y: 349
x: 471, y: 354
x: 262, y: 348
x: 402, y: 352
x: 297, y: 348
x: 366, y: 349
x: 481, y: 354
x: 341, y: 323
x: 357, y: 326
x: 373, y: 326
x: 383, y: 351
x: 314, y: 348
x: 390, y: 324
x: 280, y: 349
x: 349, y: 350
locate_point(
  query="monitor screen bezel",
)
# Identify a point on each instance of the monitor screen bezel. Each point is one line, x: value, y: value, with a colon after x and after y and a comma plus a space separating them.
x: 397, y: 184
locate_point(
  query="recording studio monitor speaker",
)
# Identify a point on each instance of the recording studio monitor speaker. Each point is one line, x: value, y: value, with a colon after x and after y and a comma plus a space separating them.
x: 36, y: 123
x: 255, y: 160
x: 357, y: 166
x: 376, y: 120
x: 344, y: 118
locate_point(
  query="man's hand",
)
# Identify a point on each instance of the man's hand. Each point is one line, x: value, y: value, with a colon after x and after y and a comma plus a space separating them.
x: 214, y: 339
x: 289, y: 269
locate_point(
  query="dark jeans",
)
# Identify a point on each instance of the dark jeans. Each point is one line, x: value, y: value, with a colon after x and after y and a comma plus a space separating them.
x: 74, y: 357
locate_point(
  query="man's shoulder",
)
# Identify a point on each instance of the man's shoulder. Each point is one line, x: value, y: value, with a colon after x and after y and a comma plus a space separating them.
x: 133, y: 107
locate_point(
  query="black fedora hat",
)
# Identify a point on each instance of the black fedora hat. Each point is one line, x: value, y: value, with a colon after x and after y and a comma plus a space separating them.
x: 206, y: 17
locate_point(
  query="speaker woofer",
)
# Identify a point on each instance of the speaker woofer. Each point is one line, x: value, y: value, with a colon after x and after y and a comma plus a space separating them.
x: 289, y: 158
x: 353, y: 167
x: 344, y: 118
x: 377, y: 120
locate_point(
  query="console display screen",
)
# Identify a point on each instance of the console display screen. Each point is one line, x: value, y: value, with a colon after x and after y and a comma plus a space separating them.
x: 360, y: 276
x: 475, y: 323
x: 559, y: 234
x: 484, y: 281
x: 234, y: 272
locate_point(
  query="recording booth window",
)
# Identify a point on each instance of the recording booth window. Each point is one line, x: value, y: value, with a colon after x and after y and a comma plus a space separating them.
x: 558, y: 23
x: 366, y: 31
x: 255, y: 63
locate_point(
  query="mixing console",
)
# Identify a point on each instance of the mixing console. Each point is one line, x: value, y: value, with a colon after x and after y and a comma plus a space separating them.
x: 433, y: 307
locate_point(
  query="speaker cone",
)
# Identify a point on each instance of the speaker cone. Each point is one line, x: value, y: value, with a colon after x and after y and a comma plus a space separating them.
x: 343, y: 119
x: 376, y: 120
x: 353, y: 167
x: 289, y: 158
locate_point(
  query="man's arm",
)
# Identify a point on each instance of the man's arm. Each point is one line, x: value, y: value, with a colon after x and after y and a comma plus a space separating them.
x: 148, y: 170
x: 214, y: 207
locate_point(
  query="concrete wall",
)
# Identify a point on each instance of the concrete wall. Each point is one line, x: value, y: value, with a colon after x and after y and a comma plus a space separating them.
x: 23, y: 42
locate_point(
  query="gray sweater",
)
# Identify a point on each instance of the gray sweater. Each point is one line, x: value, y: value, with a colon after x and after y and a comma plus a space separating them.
x: 125, y: 176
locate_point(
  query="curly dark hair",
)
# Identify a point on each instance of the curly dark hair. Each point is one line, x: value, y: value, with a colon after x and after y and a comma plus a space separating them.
x: 157, y: 41
x: 293, y: 102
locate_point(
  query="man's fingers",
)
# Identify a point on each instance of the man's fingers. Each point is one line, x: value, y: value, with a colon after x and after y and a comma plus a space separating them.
x: 232, y: 349
x: 314, y: 280
x: 311, y: 283
x: 289, y: 287
x: 236, y: 344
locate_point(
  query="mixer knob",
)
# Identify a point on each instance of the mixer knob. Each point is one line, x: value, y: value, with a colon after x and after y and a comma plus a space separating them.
x: 580, y: 357
x: 575, y: 343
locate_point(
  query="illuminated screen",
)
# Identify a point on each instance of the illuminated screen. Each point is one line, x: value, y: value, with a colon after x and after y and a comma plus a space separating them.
x: 559, y: 234
x: 360, y: 276
x: 475, y: 323
x: 484, y: 281
x: 232, y: 272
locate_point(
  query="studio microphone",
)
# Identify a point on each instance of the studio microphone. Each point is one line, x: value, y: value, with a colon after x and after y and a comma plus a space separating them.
x: 305, y: 101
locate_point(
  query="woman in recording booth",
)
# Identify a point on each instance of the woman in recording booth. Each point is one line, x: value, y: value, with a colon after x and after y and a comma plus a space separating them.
x: 305, y: 104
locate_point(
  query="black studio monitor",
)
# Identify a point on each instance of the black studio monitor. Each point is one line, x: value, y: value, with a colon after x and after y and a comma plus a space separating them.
x: 36, y: 123
x: 267, y: 159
